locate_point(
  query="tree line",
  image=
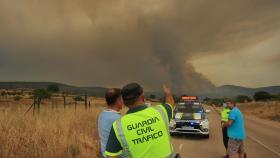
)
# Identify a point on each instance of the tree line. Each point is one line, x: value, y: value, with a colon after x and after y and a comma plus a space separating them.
x: 43, y: 93
x: 258, y: 96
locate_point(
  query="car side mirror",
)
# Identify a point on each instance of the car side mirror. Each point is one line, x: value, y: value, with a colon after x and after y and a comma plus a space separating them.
x: 207, y: 111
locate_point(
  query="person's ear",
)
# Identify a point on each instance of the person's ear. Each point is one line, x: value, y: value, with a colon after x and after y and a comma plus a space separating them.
x: 143, y: 97
x: 120, y: 101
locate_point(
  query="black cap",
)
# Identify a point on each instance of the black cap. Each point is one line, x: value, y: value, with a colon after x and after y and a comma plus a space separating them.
x: 131, y: 91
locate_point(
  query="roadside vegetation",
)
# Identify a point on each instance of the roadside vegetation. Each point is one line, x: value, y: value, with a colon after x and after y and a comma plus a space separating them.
x: 260, y: 96
x: 57, y: 133
x: 262, y: 104
x: 48, y: 123
x: 269, y: 110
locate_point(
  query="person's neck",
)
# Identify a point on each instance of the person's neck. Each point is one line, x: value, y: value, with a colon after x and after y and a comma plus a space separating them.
x: 136, y: 105
x: 114, y: 108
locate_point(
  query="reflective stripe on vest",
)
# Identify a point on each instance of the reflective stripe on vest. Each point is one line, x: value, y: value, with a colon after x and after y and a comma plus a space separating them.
x: 164, y: 115
x: 144, y: 134
x: 125, y: 152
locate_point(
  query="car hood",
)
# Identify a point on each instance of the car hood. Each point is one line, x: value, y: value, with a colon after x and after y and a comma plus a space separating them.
x: 189, y: 116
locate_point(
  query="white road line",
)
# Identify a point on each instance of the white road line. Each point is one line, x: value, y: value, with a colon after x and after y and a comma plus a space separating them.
x: 180, y: 147
x: 262, y: 144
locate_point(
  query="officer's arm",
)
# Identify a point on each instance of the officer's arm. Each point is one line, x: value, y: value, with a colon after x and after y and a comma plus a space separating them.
x: 168, y: 96
x: 113, y: 147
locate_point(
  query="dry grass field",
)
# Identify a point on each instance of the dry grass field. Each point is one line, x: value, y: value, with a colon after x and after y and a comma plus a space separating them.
x: 51, y: 133
x: 264, y: 110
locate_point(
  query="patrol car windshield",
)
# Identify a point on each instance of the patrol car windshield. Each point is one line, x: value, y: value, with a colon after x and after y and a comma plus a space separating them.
x: 189, y: 108
x: 189, y: 111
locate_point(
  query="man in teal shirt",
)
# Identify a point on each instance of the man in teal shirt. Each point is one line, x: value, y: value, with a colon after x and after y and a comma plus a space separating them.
x: 236, y: 131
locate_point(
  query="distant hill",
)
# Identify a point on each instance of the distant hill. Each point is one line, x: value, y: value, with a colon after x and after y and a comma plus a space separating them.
x: 222, y: 91
x: 95, y: 91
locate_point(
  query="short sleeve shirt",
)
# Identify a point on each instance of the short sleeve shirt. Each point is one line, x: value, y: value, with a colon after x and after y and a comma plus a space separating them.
x: 236, y: 130
x: 114, y: 146
x: 105, y: 121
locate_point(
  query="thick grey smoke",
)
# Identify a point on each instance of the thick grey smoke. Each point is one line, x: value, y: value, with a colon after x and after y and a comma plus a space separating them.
x: 113, y: 42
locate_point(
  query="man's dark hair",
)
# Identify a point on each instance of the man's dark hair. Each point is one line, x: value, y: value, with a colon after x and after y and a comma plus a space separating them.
x: 112, y: 95
x: 230, y: 100
x: 131, y: 93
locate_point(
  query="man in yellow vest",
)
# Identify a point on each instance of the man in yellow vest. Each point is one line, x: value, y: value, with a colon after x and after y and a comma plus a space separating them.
x: 143, y: 131
x: 224, y: 119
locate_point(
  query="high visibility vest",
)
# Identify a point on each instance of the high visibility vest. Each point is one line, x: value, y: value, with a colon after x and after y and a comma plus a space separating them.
x: 144, y: 134
x: 225, y: 114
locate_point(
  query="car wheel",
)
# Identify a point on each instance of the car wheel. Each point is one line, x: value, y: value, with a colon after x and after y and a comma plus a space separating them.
x: 206, y: 136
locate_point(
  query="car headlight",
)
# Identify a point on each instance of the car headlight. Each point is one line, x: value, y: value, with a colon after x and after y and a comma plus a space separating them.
x: 204, y: 124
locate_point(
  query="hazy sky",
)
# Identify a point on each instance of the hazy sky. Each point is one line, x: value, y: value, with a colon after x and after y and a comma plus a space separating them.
x: 191, y: 45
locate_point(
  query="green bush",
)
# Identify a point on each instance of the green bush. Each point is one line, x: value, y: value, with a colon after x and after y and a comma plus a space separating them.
x: 242, y: 99
x: 79, y: 98
x: 3, y: 93
x: 262, y: 96
x: 18, y: 93
x: 152, y: 96
x: 41, y: 93
x: 17, y: 98
x: 215, y: 101
x: 53, y: 88
x: 11, y: 93
x: 275, y: 97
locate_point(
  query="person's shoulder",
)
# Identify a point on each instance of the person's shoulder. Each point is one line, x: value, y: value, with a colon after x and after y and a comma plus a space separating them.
x: 167, y: 104
x: 117, y: 116
x: 110, y: 115
x: 101, y: 114
x: 233, y: 111
x: 114, y: 115
x: 237, y: 110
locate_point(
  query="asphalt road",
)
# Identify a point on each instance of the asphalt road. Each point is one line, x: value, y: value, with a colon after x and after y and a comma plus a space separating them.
x: 263, y: 140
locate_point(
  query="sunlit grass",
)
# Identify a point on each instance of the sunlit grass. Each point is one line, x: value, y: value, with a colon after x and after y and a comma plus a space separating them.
x: 266, y: 110
x: 53, y: 132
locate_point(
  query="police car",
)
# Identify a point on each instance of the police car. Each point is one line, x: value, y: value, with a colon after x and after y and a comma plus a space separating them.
x: 190, y: 118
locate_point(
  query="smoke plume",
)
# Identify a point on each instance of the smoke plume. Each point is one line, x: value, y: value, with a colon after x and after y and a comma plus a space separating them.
x: 113, y: 42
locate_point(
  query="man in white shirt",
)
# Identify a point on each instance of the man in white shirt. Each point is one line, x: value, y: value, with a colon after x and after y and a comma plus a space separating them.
x: 108, y: 116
